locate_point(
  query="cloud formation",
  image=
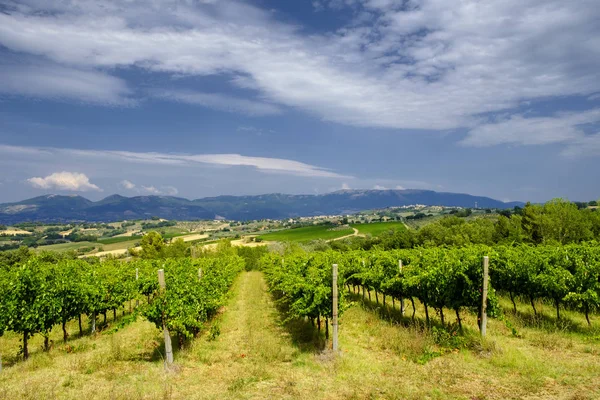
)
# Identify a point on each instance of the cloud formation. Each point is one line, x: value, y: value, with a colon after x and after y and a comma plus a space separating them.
x: 50, y: 81
x: 527, y: 130
x: 425, y: 64
x: 164, y: 190
x: 219, y: 102
x: 263, y: 164
x: 149, y: 189
x: 71, y: 181
x: 127, y: 184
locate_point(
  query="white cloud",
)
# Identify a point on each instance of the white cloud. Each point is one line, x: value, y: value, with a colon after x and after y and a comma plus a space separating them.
x: 431, y: 64
x: 345, y: 186
x: 170, y: 190
x: 263, y: 164
x: 71, y: 181
x: 127, y: 184
x: 379, y: 187
x: 587, y: 146
x: 219, y: 102
x: 57, y: 82
x: 164, y: 190
x: 523, y: 130
x: 151, y: 190
x: 400, y: 187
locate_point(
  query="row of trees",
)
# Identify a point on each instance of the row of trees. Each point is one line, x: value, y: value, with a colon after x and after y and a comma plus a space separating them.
x: 302, y: 283
x: 40, y: 294
x: 439, y: 278
x: 556, y: 222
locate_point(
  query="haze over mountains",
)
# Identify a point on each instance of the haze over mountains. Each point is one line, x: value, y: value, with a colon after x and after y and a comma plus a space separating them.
x: 57, y: 208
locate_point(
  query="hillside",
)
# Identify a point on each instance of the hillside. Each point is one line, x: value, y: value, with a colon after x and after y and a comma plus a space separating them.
x: 55, y: 208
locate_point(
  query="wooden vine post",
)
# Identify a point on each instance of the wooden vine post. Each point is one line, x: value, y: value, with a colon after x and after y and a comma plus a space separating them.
x: 402, y: 309
x: 334, y: 321
x: 199, y: 274
x: 363, y: 286
x: 168, y: 345
x: 484, y: 295
x: 137, y: 276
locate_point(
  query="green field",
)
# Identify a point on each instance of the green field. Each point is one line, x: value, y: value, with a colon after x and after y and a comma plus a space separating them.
x: 66, y: 246
x: 377, y: 228
x: 118, y: 239
x: 307, y: 233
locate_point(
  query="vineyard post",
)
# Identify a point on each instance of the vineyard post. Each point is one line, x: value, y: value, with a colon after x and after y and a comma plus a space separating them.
x: 402, y: 310
x: 363, y: 286
x: 168, y: 346
x: 334, y: 321
x: 137, y: 276
x: 486, y: 265
x: 199, y: 274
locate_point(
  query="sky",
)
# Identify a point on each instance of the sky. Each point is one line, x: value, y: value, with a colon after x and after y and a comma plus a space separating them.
x: 198, y: 98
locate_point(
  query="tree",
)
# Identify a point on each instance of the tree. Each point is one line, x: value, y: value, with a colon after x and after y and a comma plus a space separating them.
x: 152, y: 245
x: 561, y: 221
x: 33, y: 295
x: 177, y: 249
x: 508, y: 230
x: 530, y: 221
x: 9, y: 259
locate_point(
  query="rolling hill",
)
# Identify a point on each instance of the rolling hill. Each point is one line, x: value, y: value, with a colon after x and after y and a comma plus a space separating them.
x: 57, y: 208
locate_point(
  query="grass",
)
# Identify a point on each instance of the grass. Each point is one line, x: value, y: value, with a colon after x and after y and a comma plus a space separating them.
x: 119, y: 239
x: 247, y: 352
x: 66, y: 246
x: 124, y: 244
x: 377, y: 228
x: 307, y: 233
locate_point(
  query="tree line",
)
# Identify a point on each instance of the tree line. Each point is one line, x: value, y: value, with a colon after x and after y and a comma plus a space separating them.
x: 556, y: 222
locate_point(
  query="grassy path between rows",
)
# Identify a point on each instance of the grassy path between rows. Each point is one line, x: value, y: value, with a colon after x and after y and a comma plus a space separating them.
x: 256, y: 356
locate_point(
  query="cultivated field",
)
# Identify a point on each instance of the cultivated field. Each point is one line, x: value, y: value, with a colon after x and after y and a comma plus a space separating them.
x: 325, y: 232
x: 377, y: 228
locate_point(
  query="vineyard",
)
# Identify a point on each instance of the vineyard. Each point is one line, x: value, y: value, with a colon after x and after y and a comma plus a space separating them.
x: 404, y: 313
x: 441, y: 279
x: 39, y: 295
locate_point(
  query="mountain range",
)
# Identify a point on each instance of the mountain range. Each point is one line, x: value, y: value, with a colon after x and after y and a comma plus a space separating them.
x: 58, y: 208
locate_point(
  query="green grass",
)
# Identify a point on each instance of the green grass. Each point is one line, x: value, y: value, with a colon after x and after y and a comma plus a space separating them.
x: 377, y: 228
x: 119, y: 239
x: 248, y: 352
x: 66, y: 246
x: 174, y: 235
x: 306, y: 233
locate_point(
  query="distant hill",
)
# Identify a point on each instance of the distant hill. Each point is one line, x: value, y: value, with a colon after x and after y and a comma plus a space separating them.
x: 55, y: 208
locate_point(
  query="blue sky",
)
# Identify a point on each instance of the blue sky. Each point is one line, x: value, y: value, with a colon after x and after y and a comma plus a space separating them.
x: 203, y: 97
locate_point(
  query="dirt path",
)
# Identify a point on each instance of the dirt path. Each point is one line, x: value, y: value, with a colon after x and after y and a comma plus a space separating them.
x: 347, y: 236
x: 252, y: 357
